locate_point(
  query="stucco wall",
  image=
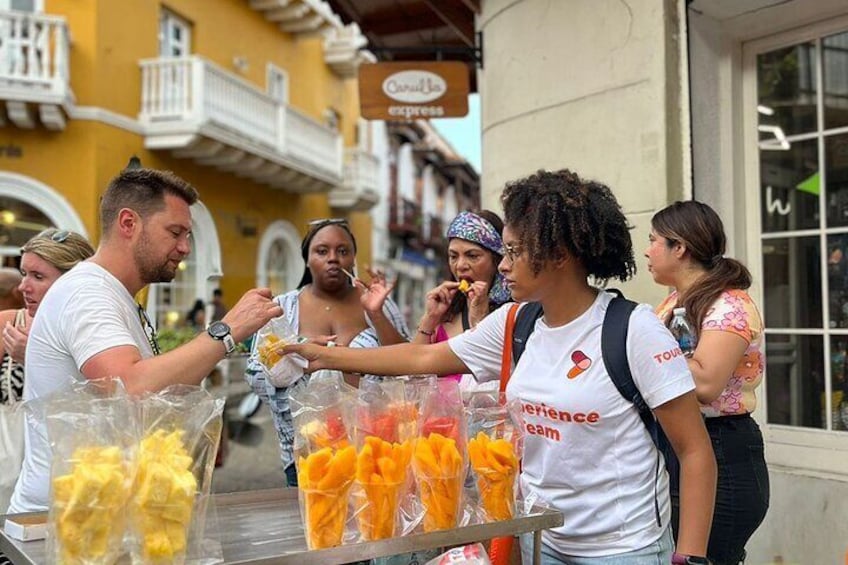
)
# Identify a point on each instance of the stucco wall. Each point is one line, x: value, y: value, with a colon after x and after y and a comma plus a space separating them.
x: 583, y: 85
x: 806, y: 522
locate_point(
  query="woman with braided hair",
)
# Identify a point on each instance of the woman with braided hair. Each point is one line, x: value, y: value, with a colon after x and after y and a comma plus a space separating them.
x: 586, y: 450
x: 686, y: 252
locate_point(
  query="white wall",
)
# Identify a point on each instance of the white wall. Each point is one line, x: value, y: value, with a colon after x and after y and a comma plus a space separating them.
x: 583, y: 85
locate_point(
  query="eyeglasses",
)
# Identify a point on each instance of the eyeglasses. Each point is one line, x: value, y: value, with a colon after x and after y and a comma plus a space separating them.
x: 327, y: 222
x: 149, y: 330
x: 512, y: 251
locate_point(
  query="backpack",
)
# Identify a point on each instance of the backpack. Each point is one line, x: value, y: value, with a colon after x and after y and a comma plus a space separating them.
x: 614, y: 352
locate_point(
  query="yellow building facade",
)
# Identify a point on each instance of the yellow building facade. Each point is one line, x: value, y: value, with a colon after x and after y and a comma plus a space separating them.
x: 254, y: 103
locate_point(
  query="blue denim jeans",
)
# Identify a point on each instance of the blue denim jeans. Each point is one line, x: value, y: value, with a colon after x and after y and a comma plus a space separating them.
x: 656, y: 553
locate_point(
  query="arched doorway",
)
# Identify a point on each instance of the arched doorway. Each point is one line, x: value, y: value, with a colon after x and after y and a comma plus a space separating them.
x: 28, y: 206
x: 279, y: 265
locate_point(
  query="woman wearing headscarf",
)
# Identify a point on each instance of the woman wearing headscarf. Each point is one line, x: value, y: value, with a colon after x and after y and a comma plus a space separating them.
x: 475, y: 249
x: 329, y: 304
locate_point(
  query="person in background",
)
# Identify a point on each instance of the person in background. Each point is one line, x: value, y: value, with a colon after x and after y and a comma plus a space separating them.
x: 329, y: 304
x: 90, y: 327
x: 475, y: 249
x: 10, y: 295
x: 686, y: 252
x: 601, y: 474
x: 44, y: 258
x: 196, y: 317
x: 219, y: 309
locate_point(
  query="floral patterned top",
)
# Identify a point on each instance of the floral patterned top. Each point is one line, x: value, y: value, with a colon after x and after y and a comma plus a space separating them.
x: 734, y: 312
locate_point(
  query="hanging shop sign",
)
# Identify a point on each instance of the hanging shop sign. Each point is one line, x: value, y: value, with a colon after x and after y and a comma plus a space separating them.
x: 413, y: 90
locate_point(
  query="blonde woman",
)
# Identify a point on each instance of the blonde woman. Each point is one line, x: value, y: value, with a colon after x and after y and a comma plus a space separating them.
x: 44, y: 259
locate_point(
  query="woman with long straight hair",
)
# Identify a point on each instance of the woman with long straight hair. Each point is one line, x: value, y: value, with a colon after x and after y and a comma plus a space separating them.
x: 686, y: 252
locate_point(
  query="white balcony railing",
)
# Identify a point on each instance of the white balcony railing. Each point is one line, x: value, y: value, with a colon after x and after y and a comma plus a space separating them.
x: 33, y: 56
x: 184, y: 99
x: 360, y: 187
x: 34, y: 66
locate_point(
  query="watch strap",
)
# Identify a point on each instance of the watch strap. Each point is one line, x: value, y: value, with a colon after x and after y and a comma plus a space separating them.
x: 229, y: 344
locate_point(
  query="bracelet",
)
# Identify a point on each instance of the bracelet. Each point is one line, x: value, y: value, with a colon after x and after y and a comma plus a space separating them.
x: 428, y: 334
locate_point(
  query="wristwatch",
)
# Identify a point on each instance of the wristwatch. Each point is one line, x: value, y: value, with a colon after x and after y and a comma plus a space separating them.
x: 221, y: 332
x: 681, y: 559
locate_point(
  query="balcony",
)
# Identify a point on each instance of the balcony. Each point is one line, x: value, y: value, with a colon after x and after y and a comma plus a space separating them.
x: 34, y: 72
x: 343, y: 50
x: 435, y: 236
x: 360, y: 188
x: 405, y: 219
x: 200, y: 111
x: 298, y: 16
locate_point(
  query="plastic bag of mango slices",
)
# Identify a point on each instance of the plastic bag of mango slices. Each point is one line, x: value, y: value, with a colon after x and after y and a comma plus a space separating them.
x: 283, y: 370
x: 384, y: 441
x: 438, y: 457
x: 495, y: 448
x: 325, y: 457
x: 169, y: 505
x: 92, y: 428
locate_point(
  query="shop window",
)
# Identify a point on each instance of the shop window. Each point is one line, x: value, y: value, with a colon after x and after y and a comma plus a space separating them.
x: 802, y: 96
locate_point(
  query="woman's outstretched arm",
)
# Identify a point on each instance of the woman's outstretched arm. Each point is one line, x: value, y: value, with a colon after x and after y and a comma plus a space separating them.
x: 392, y: 360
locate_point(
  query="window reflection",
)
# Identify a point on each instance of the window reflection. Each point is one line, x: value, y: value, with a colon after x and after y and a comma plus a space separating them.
x: 837, y: 280
x: 789, y: 197
x: 839, y: 382
x: 836, y: 167
x: 795, y: 391
x: 835, y: 77
x: 786, y: 84
x: 792, y: 282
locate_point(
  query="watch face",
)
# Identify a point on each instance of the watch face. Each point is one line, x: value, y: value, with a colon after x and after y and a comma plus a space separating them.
x: 218, y: 330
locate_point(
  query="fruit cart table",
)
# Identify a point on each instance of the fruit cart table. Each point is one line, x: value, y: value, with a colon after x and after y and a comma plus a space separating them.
x: 264, y: 527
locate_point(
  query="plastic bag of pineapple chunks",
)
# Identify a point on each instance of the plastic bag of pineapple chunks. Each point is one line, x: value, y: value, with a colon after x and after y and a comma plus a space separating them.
x: 93, y: 432
x: 168, y: 508
x: 283, y: 370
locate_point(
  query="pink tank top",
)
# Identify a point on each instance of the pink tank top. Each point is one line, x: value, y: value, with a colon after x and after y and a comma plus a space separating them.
x: 440, y: 336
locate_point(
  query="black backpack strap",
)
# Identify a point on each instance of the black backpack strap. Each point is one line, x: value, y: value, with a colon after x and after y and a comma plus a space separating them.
x: 466, y: 323
x: 525, y: 323
x: 614, y: 352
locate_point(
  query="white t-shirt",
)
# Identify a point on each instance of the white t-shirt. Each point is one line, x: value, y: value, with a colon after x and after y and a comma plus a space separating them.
x: 586, y: 451
x: 86, y: 312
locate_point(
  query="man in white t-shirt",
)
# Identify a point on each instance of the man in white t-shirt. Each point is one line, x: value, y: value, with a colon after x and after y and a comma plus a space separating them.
x: 89, y: 325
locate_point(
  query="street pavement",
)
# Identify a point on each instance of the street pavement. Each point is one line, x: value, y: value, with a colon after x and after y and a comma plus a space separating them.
x: 253, y: 457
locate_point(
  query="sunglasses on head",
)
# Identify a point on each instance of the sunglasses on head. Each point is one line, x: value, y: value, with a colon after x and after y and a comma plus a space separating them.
x: 59, y: 236
x: 327, y: 222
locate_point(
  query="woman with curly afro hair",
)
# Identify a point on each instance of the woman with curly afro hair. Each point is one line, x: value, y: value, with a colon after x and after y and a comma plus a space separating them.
x: 586, y: 451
